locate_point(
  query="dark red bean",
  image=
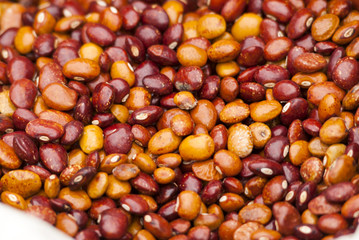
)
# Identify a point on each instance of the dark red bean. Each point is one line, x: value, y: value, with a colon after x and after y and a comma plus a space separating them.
x: 149, y: 35
x: 23, y: 93
x: 278, y: 9
x: 80, y: 217
x: 233, y: 185
x: 279, y: 130
x: 277, y: 148
x: 50, y: 73
x: 70, y: 43
x: 117, y: 54
x: 340, y: 192
x: 312, y: 126
x: 20, y: 67
x: 26, y: 149
x: 44, y: 45
x: 291, y: 172
x: 100, y: 205
x: 42, y: 172
x: 168, y: 101
x: 292, y: 55
x: 212, y: 192
x: 251, y: 92
x: 167, y: 193
x: 305, y: 193
x: 87, y: 234
x: 6, y: 124
x: 246, y: 172
x: 97, y: 6
x: 247, y: 75
x: 60, y: 205
x: 83, y: 110
x: 210, y: 87
x: 54, y: 157
x: 265, y: 167
x: 162, y: 54
x: 255, y: 6
x: 307, y: 232
x: 145, y: 116
x: 270, y: 74
x: 103, y: 97
x: 269, y: 30
x: 8, y: 36
x: 8, y: 53
x: 145, y: 69
x: 118, y: 138
x: 172, y: 37
x: 277, y: 49
x: 337, y: 54
x: 190, y: 182
x: 40, y: 201
x: 296, y: 108
x: 189, y: 78
x: 291, y: 195
x: 135, y: 49
x: 8, y: 138
x: 158, y: 84
x: 22, y: 117
x: 286, y: 216
x: 130, y: 17
x: 103, y: 120
x: 219, y: 135
x: 285, y: 90
x: 113, y: 223
x: 168, y: 211
x: 352, y: 150
x: 134, y: 204
x: 155, y: 16
x: 325, y: 48
x: 307, y: 42
x: 82, y: 177
x: 64, y: 54
x: 145, y: 184
x: 300, y: 23
x: 79, y: 87
x: 157, y: 225
x: 44, y: 130
x: 72, y: 8
x: 251, y: 56
x: 121, y: 89
x: 345, y: 73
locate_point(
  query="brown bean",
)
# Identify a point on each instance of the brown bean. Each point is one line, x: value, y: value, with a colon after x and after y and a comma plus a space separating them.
x: 255, y: 212
x: 223, y: 51
x: 22, y: 182
x: 333, y: 131
x: 324, y: 27
x: 81, y: 69
x: 265, y: 110
x: 243, y: 145
x: 59, y: 97
x: 234, y: 112
x: 245, y: 231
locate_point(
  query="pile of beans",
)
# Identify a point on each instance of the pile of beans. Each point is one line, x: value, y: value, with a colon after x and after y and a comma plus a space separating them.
x: 174, y: 119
